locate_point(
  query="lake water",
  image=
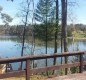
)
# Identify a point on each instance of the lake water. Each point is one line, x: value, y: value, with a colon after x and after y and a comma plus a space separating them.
x: 11, y: 47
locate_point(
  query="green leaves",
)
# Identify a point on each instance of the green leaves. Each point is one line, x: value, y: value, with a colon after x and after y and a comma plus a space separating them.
x: 43, y: 9
x: 38, y: 17
x: 46, y: 14
x: 40, y: 32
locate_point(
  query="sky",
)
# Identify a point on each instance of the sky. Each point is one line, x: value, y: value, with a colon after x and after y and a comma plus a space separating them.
x: 10, y: 8
x: 80, y: 12
x: 13, y: 8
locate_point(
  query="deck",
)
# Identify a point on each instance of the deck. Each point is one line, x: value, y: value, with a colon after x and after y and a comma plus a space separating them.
x: 28, y: 71
x: 77, y: 76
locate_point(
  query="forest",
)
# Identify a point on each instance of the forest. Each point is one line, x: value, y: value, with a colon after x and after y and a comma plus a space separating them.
x: 15, y: 30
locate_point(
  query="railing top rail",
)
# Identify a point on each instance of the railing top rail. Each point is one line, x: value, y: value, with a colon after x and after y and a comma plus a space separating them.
x: 24, y: 58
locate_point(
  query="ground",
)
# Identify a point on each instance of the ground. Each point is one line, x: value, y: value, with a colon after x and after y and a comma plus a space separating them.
x: 76, y: 76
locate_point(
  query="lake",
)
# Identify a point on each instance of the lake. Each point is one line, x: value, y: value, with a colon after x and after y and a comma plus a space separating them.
x: 11, y: 47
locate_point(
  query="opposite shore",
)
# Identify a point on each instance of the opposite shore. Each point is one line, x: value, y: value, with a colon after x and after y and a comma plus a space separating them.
x: 76, y: 38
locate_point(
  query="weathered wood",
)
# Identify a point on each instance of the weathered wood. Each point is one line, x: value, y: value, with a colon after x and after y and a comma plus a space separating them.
x: 81, y: 63
x: 12, y: 74
x: 24, y: 58
x: 28, y: 71
x: 56, y: 67
x: 84, y: 63
x: 33, y: 71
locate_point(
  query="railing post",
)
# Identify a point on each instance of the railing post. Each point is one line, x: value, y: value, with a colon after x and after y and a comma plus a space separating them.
x: 28, y: 70
x: 81, y: 63
x: 6, y: 67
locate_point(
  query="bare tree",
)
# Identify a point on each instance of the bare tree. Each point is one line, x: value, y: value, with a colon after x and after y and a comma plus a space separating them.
x: 25, y: 21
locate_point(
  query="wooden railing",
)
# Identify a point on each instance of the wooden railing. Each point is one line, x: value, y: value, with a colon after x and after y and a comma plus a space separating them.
x: 28, y: 71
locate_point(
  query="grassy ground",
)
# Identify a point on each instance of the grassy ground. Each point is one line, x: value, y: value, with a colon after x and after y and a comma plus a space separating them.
x: 15, y: 78
x: 79, y: 34
x: 38, y: 77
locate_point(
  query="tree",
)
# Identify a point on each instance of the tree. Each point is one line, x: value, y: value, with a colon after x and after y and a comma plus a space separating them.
x: 56, y: 31
x: 56, y: 28
x: 43, y: 10
x: 64, y: 23
x: 26, y: 13
x: 42, y: 14
x: 25, y: 21
x: 64, y: 27
x: 39, y: 30
x: 5, y: 17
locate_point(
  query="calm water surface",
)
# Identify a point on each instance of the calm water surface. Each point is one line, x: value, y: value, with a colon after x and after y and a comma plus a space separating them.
x: 11, y: 47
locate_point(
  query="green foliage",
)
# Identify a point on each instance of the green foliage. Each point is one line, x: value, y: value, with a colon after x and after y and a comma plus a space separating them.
x: 43, y: 9
x: 6, y: 18
x: 40, y: 31
x: 79, y: 30
x: 69, y: 31
x: 45, y: 13
x: 74, y: 69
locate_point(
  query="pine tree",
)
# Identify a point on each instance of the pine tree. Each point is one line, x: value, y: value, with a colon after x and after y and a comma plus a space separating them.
x: 43, y: 15
x: 43, y: 10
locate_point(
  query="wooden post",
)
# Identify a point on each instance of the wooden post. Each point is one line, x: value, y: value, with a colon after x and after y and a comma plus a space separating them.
x: 81, y: 63
x: 6, y: 67
x: 28, y: 70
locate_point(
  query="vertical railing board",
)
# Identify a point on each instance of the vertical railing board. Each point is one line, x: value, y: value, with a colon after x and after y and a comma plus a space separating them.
x: 28, y: 71
x: 81, y: 63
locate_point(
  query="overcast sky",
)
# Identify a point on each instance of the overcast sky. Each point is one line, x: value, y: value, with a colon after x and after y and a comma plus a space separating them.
x: 12, y: 8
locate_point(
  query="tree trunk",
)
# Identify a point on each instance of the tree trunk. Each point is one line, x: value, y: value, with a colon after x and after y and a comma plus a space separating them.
x: 46, y: 37
x: 56, y: 32
x: 64, y: 27
x: 23, y: 41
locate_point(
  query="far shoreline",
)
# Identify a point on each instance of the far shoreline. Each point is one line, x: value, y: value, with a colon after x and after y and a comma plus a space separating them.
x: 76, y: 38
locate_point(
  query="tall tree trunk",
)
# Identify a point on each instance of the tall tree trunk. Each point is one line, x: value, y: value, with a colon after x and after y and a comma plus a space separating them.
x: 65, y: 35
x: 33, y: 34
x: 46, y: 36
x: 22, y: 46
x: 61, y: 44
x: 64, y: 27
x: 23, y: 41
x: 56, y: 32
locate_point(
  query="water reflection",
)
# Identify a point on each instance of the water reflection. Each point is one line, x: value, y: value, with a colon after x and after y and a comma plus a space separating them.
x: 11, y: 47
